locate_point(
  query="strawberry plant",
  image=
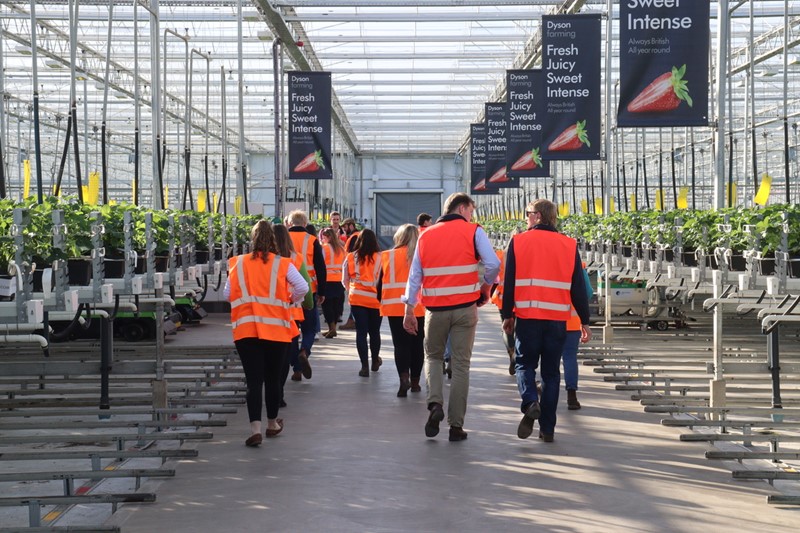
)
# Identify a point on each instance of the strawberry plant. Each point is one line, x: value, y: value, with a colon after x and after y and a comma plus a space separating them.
x: 663, y: 94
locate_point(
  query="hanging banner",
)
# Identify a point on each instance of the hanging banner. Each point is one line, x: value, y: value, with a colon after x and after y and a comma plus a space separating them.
x: 496, y: 142
x: 478, y: 159
x: 310, y: 125
x: 570, y: 109
x: 663, y: 63
x: 523, y: 151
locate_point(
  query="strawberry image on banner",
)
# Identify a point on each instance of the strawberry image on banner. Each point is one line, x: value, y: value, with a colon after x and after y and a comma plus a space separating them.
x: 572, y: 138
x: 664, y: 94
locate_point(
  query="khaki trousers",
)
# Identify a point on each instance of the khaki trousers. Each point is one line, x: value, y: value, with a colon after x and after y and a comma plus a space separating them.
x: 459, y: 325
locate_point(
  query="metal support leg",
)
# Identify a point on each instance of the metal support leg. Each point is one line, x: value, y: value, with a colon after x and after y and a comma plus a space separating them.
x: 34, y: 514
x: 106, y: 347
x: 773, y: 362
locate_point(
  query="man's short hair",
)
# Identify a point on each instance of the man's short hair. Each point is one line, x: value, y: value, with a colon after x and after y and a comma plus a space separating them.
x: 348, y: 221
x: 422, y: 218
x: 546, y: 209
x: 335, y: 214
x: 455, y: 200
x: 298, y: 218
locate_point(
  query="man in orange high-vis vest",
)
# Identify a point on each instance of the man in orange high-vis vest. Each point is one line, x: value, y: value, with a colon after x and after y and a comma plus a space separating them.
x: 543, y: 281
x: 444, y: 276
x: 308, y: 247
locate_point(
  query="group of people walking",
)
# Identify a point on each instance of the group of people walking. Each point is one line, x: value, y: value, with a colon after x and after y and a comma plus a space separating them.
x: 429, y: 285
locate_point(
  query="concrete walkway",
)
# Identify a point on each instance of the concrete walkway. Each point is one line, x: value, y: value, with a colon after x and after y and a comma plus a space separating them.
x: 354, y: 457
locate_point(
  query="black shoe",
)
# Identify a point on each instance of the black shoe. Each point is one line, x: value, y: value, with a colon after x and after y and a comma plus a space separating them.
x: 546, y: 437
x: 525, y: 427
x: 457, y: 434
x: 512, y: 365
x: 376, y: 363
x: 283, y: 403
x: 304, y: 364
x: 436, y: 415
x: 364, y: 372
x: 402, y: 392
x: 572, y: 400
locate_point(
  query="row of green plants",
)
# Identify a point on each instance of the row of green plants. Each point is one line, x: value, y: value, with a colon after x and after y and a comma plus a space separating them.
x: 38, y: 236
x: 699, y: 229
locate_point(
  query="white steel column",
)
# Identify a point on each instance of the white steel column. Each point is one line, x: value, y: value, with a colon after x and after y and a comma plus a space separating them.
x: 723, y: 21
x: 608, y: 329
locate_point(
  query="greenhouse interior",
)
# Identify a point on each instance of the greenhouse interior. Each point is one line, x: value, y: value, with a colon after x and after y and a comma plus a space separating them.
x: 142, y: 141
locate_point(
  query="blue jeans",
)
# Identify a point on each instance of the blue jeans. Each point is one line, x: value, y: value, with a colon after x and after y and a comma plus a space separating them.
x: 569, y: 358
x: 308, y: 328
x: 368, y: 323
x: 537, y: 339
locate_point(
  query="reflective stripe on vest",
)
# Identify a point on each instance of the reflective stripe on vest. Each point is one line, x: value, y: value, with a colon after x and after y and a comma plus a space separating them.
x: 450, y: 266
x: 363, y: 291
x: 306, y: 251
x: 395, y: 267
x: 262, y: 311
x: 545, y: 261
x: 333, y: 266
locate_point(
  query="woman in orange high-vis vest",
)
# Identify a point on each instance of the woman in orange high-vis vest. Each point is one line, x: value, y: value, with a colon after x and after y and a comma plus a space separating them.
x: 333, y: 306
x: 361, y: 277
x: 261, y: 287
x: 409, y: 350
x: 285, y: 248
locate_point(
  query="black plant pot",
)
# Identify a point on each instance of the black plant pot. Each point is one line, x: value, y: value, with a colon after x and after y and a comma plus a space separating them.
x: 202, y: 256
x: 80, y: 271
x: 689, y: 259
x: 114, y: 268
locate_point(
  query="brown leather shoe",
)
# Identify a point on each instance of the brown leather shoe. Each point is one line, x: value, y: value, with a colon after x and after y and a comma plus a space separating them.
x: 525, y: 427
x: 297, y: 376
x: 405, y: 384
x: 253, y: 440
x: 436, y: 415
x: 364, y: 372
x: 546, y: 437
x: 457, y: 434
x: 270, y: 433
x: 350, y: 324
x: 415, y: 385
x: 376, y: 363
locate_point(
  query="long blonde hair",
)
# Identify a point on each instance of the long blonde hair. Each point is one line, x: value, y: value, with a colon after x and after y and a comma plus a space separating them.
x: 407, y: 235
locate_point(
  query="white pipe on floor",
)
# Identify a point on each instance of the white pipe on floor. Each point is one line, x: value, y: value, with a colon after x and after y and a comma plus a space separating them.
x: 24, y: 339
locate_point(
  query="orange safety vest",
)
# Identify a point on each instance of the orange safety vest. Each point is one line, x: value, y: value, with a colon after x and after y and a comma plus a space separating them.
x: 497, y: 295
x: 350, y: 238
x: 333, y: 263
x: 449, y: 266
x: 297, y: 309
x: 260, y: 299
x: 395, y: 266
x: 574, y: 321
x: 304, y: 245
x: 545, y: 261
x: 364, y: 280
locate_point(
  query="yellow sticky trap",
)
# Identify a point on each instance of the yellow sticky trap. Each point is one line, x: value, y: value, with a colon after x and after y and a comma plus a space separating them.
x: 237, y: 205
x: 85, y: 191
x: 730, y: 192
x: 762, y: 196
x: 563, y: 209
x: 166, y: 197
x: 612, y: 205
x: 202, y: 197
x: 683, y: 198
x: 598, y: 206
x: 214, y: 203
x: 584, y: 206
x: 26, y: 178
x: 93, y: 190
x: 633, y: 202
x: 660, y: 199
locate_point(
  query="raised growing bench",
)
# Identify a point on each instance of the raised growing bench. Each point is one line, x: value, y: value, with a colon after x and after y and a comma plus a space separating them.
x: 756, y: 456
x: 35, y: 503
x: 97, y: 455
x: 119, y: 438
x: 70, y: 476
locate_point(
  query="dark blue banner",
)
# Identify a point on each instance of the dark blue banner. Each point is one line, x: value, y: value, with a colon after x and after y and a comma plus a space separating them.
x: 477, y: 169
x: 496, y: 142
x: 663, y: 63
x: 310, y: 125
x: 570, y: 108
x: 523, y: 151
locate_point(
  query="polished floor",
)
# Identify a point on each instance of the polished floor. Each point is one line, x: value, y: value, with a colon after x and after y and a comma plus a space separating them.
x: 353, y: 457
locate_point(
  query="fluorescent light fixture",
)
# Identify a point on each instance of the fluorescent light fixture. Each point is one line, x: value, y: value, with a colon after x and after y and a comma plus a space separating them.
x: 55, y: 64
x: 265, y: 36
x: 24, y: 50
x: 119, y: 94
x: 767, y: 72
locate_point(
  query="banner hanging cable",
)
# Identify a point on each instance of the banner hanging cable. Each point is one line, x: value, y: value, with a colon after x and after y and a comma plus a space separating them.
x: 104, y: 155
